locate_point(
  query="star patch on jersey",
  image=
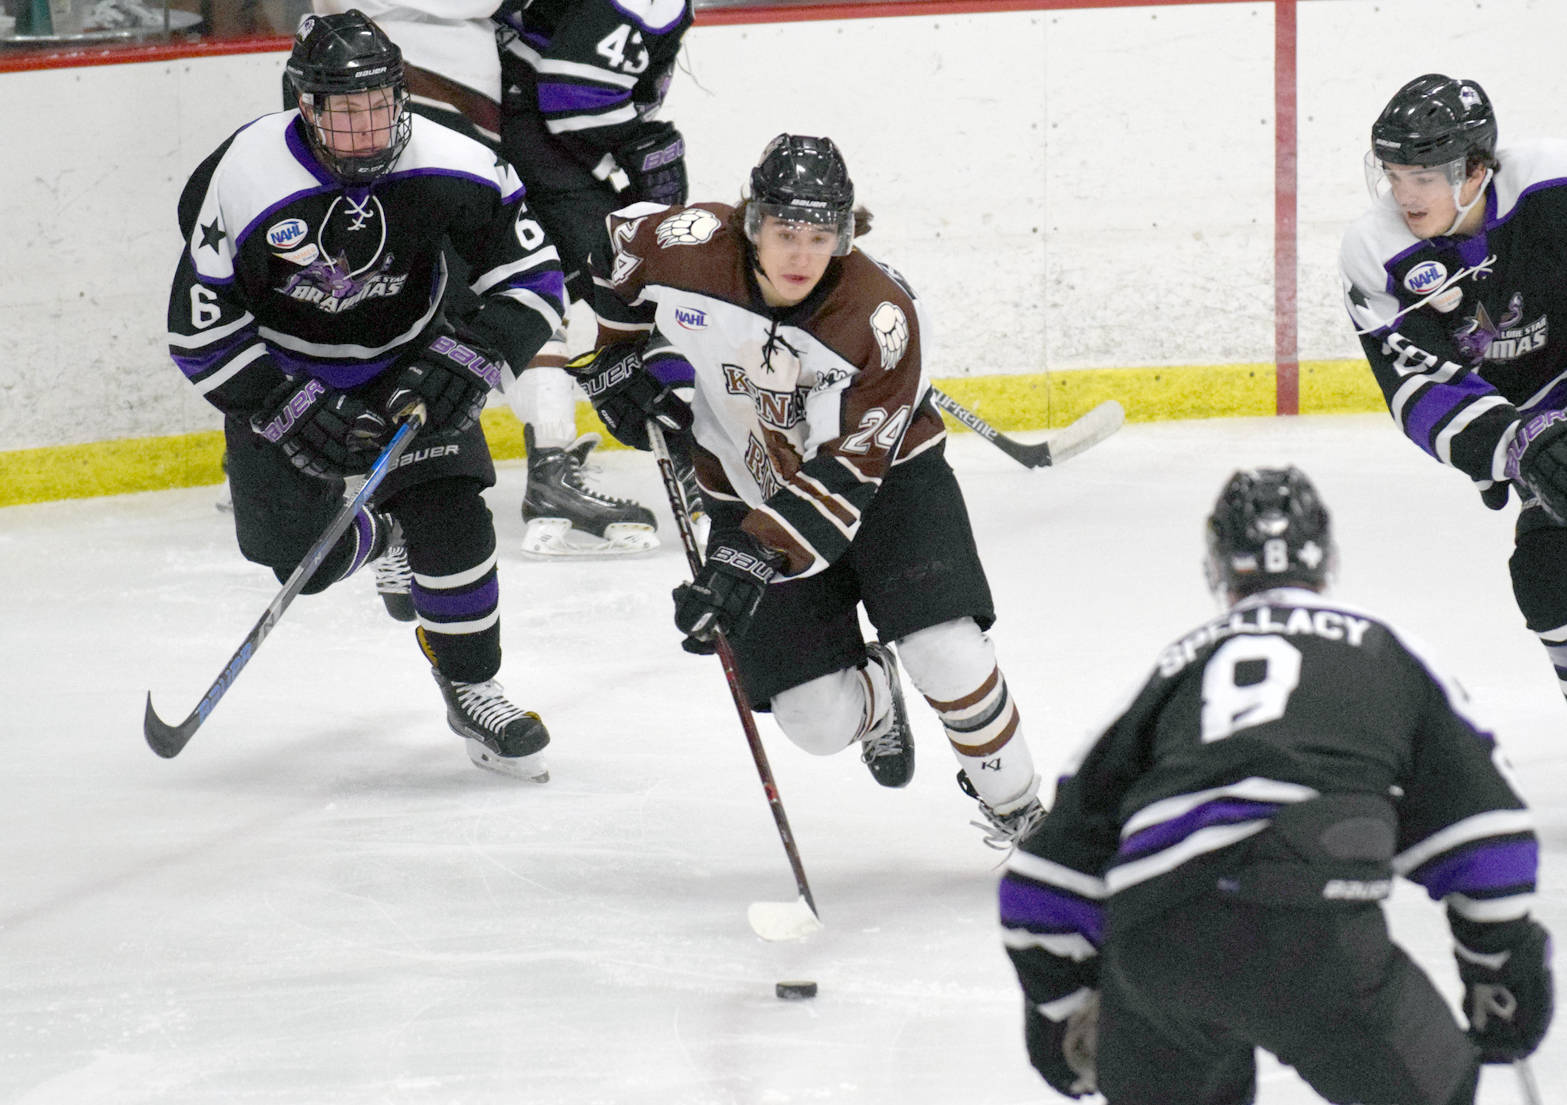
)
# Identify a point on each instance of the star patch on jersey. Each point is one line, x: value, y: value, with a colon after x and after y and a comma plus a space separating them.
x: 212, y: 235
x: 891, y: 328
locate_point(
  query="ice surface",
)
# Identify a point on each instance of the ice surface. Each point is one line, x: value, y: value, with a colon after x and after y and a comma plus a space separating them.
x: 322, y: 901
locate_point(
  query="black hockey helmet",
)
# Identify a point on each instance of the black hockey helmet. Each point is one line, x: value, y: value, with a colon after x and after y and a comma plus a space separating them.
x: 802, y: 180
x: 341, y: 54
x: 1434, y: 120
x: 1268, y: 529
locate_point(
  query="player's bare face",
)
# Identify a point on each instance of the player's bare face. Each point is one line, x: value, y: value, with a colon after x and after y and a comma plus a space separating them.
x: 1425, y: 196
x: 792, y: 258
x: 357, y: 124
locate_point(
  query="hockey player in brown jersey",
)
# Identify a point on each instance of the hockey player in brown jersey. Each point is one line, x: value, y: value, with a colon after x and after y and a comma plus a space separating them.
x: 821, y: 462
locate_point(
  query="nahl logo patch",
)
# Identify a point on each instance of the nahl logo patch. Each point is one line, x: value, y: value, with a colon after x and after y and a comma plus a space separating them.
x: 288, y: 234
x: 1425, y: 277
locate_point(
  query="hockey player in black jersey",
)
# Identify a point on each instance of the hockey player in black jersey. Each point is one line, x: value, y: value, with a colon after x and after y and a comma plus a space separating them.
x: 308, y: 308
x: 453, y: 66
x: 1451, y: 280
x: 1208, y: 880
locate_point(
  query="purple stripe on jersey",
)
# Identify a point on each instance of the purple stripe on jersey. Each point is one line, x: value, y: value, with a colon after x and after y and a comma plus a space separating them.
x: 1028, y: 904
x: 334, y: 374
x: 1156, y: 838
x: 551, y: 284
x: 299, y: 146
x: 638, y: 15
x: 196, y: 364
x: 1495, y: 865
x: 670, y: 371
x: 555, y: 98
x: 483, y: 181
x: 1553, y: 400
x: 462, y: 603
x: 1440, y: 401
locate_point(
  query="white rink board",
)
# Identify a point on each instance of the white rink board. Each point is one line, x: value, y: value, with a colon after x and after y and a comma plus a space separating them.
x: 1066, y: 189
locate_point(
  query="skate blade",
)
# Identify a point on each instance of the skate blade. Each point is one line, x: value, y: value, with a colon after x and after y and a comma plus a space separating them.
x: 532, y: 768
x: 548, y: 538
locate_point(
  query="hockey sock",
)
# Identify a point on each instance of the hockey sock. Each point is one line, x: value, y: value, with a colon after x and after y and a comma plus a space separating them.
x: 365, y: 539
x: 954, y: 666
x: 451, y: 548
x: 543, y: 395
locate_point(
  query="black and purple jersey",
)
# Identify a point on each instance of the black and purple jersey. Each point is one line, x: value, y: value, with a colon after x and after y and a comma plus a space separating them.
x: 286, y: 271
x: 1458, y: 330
x: 1285, y: 698
x: 593, y: 70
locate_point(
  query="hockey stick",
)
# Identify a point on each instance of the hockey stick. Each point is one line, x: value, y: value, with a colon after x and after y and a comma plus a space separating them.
x: 1531, y: 1088
x: 1090, y: 429
x: 770, y: 920
x: 167, y: 740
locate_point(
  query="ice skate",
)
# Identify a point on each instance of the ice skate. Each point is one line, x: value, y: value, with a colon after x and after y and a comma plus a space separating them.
x: 565, y: 517
x: 394, y: 579
x: 691, y: 491
x: 888, y: 749
x: 500, y: 737
x: 1004, y: 827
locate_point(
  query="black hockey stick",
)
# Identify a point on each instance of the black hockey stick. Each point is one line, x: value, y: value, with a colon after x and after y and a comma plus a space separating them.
x: 167, y: 740
x: 770, y: 920
x: 1090, y: 429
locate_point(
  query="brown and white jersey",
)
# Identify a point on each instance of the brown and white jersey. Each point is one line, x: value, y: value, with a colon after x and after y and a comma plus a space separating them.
x: 801, y: 410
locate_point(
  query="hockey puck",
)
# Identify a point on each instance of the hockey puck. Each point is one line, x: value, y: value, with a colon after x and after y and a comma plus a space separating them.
x: 795, y: 990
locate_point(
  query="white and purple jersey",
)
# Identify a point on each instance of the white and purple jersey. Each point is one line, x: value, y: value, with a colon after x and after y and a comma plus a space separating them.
x: 286, y: 271
x: 1458, y: 331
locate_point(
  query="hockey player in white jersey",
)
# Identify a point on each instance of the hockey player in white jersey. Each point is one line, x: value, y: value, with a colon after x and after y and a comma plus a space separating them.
x: 821, y: 460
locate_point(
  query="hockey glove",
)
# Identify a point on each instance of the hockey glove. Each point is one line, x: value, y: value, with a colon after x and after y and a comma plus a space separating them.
x: 1065, y: 1052
x: 1509, y: 994
x: 325, y: 433
x: 655, y: 164
x: 626, y: 395
x: 1537, y: 459
x: 453, y: 376
x: 725, y: 593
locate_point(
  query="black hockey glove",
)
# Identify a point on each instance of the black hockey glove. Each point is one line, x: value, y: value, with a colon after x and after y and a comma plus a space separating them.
x: 655, y: 164
x: 325, y: 433
x: 626, y: 395
x: 1065, y: 1052
x: 1509, y: 994
x: 453, y: 376
x: 1537, y: 459
x: 726, y: 591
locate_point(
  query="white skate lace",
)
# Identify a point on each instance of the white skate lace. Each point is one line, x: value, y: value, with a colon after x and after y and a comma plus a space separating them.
x: 573, y: 477
x: 487, y: 704
x: 393, y: 576
x: 875, y: 746
x: 1003, y: 831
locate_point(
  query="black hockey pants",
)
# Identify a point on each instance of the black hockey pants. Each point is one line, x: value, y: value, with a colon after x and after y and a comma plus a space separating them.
x: 1187, y: 998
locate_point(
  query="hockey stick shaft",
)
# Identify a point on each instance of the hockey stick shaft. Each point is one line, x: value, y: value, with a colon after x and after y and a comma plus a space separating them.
x: 1089, y: 429
x: 168, y: 740
x: 1526, y: 1082
x: 677, y: 505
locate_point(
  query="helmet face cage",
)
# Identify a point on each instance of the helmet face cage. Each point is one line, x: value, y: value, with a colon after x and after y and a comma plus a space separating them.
x: 1433, y: 121
x: 802, y: 180
x: 340, y: 55
x: 1268, y: 529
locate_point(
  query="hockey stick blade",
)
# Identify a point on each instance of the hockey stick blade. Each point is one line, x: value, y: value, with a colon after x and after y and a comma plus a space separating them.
x: 780, y: 921
x: 1090, y: 429
x: 167, y: 740
x: 1087, y: 431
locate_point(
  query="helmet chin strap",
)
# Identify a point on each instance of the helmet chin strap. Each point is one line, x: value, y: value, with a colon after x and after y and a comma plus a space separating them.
x: 1465, y: 208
